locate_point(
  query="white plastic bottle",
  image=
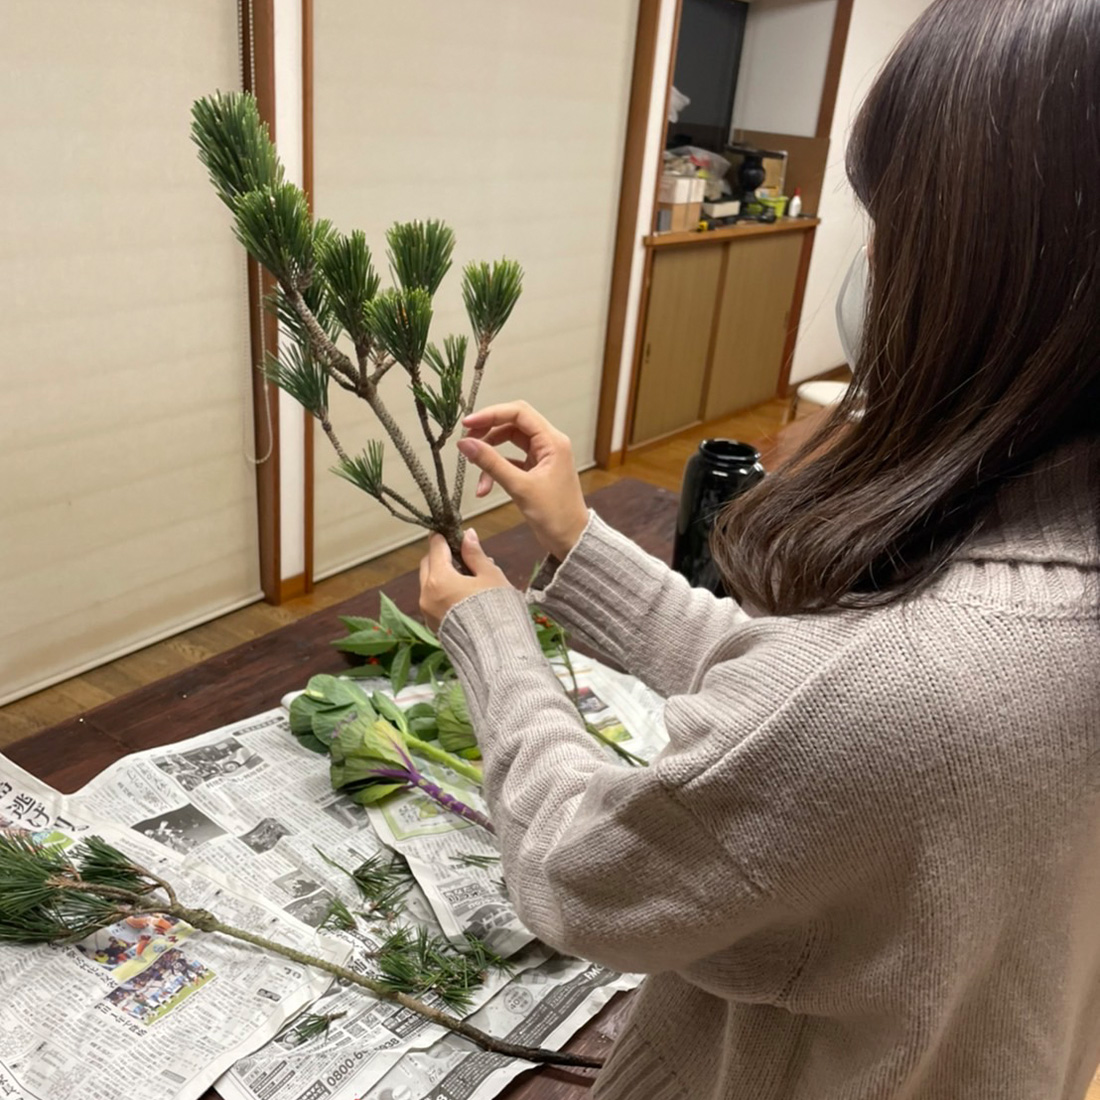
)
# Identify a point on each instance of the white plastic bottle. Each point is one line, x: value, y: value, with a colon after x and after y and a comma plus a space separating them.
x: 794, y: 210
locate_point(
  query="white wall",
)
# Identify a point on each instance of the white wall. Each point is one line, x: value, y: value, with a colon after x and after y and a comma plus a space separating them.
x: 877, y: 25
x: 783, y: 64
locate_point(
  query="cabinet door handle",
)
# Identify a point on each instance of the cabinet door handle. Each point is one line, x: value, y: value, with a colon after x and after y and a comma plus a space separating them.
x: 647, y: 350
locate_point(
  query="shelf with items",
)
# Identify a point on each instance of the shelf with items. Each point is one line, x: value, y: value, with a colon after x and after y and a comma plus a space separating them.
x: 730, y: 232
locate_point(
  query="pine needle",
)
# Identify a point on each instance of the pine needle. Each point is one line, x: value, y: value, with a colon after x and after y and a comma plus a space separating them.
x: 313, y: 1026
x: 474, y: 859
x: 338, y: 915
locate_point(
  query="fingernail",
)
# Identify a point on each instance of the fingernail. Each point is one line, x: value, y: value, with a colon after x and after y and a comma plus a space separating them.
x: 471, y: 535
x: 468, y: 447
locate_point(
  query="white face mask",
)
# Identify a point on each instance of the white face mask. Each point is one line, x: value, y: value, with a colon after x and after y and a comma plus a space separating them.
x: 851, y: 306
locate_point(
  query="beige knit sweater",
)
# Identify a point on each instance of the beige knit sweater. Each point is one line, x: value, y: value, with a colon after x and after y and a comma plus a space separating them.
x: 867, y: 867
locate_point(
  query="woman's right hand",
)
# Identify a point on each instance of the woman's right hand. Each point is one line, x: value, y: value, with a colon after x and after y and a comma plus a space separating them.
x: 544, y: 483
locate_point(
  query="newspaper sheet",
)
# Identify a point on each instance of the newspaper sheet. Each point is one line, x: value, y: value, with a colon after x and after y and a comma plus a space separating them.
x: 237, y: 816
x: 147, y: 1008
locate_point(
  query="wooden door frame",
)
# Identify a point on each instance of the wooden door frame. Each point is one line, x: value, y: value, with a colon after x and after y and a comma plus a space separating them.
x: 641, y: 94
x: 630, y: 200
x: 307, y: 187
x: 258, y: 71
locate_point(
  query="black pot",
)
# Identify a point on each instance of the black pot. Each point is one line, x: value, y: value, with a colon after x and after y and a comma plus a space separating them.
x: 719, y: 471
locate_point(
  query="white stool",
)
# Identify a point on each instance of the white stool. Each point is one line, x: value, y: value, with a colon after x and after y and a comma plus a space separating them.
x: 823, y: 394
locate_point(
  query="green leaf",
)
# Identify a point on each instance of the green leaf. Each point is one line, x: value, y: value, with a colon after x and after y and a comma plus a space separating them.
x: 456, y: 731
x: 375, y: 792
x: 420, y: 254
x: 349, y: 278
x: 336, y: 692
x: 399, y: 670
x: 365, y: 645
x: 327, y: 723
x: 297, y: 373
x: 435, y: 664
x: 427, y: 729
x: 399, y: 321
x: 357, y: 624
x: 390, y: 711
x: 302, y: 711
x: 235, y: 145
x: 364, y: 470
x: 274, y: 225
x: 391, y: 617
x: 490, y: 294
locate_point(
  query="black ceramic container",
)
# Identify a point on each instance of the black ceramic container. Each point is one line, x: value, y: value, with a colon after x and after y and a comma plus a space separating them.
x: 719, y: 471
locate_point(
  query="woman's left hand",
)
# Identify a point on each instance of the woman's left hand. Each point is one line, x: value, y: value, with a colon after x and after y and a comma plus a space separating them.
x: 442, y: 585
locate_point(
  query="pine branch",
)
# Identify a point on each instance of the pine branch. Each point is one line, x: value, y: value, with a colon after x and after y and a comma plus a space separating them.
x: 336, y: 446
x: 53, y: 896
x: 467, y: 408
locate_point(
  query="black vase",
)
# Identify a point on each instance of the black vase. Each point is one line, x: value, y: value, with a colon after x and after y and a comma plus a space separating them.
x: 719, y: 471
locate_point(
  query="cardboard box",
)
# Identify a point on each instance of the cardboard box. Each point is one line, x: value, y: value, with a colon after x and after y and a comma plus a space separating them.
x: 678, y: 217
x: 676, y: 190
x: 725, y: 208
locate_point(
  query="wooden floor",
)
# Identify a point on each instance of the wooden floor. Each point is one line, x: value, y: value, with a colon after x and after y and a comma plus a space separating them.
x: 661, y: 464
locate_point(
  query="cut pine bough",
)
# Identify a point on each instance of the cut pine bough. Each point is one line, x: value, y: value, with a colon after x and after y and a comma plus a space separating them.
x: 50, y: 894
x: 328, y: 292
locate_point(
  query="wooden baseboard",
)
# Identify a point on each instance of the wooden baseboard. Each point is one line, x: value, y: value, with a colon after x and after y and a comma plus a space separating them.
x: 290, y: 588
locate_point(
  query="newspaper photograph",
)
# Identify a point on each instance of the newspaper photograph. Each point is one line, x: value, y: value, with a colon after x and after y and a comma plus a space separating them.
x: 148, y: 1007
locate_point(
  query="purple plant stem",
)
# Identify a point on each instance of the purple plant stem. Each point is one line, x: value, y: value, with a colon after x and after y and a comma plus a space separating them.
x: 437, y: 794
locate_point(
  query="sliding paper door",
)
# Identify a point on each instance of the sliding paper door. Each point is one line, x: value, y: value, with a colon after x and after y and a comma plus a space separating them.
x: 127, y: 500
x: 507, y: 120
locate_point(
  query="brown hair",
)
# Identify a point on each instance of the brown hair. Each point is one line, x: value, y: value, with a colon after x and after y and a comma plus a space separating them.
x: 977, y: 156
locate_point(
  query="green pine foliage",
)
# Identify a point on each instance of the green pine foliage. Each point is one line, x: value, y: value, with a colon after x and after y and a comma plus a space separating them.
x: 364, y: 470
x: 490, y: 292
x: 328, y: 288
x: 296, y: 370
x: 420, y: 254
x: 399, y: 320
x: 235, y: 145
x: 349, y: 280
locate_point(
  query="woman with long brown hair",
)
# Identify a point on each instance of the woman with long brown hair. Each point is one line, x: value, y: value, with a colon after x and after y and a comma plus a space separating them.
x: 867, y: 866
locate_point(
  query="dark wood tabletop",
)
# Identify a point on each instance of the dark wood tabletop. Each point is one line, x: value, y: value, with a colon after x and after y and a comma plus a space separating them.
x: 253, y: 677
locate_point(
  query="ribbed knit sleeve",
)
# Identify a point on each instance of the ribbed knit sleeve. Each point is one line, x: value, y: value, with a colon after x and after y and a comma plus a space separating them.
x: 633, y: 609
x: 602, y: 860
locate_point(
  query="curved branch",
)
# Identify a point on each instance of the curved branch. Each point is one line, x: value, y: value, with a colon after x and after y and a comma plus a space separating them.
x: 327, y: 426
x: 332, y: 358
x: 421, y: 518
x: 467, y: 408
x: 404, y: 448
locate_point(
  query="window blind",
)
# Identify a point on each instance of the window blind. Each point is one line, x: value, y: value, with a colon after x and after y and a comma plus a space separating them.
x: 508, y: 122
x: 127, y: 499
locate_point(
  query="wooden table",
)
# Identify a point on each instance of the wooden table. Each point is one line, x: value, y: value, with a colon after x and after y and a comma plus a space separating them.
x: 254, y: 677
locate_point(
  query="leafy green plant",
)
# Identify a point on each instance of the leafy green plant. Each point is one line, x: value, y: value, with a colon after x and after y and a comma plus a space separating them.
x: 370, y: 742
x: 327, y: 289
x: 50, y: 894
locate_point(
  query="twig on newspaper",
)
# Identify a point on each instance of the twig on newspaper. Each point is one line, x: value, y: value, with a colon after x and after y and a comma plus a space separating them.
x: 50, y: 894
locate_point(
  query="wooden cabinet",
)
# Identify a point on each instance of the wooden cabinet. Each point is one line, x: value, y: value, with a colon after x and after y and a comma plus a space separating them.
x: 751, y: 324
x: 718, y: 315
x: 676, y: 341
